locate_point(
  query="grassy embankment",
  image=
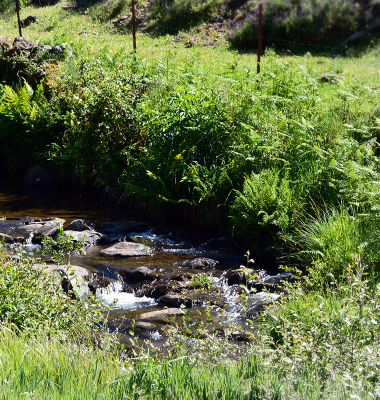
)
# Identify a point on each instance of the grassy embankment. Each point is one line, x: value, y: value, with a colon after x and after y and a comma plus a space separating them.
x: 293, y: 162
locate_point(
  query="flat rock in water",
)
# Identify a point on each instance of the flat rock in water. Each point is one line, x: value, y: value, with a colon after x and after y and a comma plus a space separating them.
x: 90, y: 237
x: 6, y: 238
x: 201, y: 263
x: 79, y: 225
x: 126, y: 249
x: 175, y: 300
x: 139, y: 274
x: 160, y: 313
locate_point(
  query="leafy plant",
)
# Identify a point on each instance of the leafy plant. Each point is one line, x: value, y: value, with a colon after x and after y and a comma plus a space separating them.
x: 201, y: 282
x: 27, y: 123
x: 267, y: 205
x: 32, y: 299
x: 61, y: 247
x: 107, y: 10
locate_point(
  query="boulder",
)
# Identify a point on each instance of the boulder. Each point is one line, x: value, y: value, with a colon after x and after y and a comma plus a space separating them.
x: 38, y: 228
x: 144, y: 325
x: 139, y: 274
x: 270, y: 282
x: 29, y: 20
x: 42, y: 48
x: 38, y: 175
x: 259, y: 302
x: 167, y: 312
x: 72, y: 279
x: 22, y: 45
x: 239, y: 276
x: 5, y: 43
x: 6, y: 238
x: 175, y: 300
x: 126, y: 249
x: 200, y: 263
x: 162, y: 287
x: 79, y: 225
x: 60, y: 50
x: 90, y: 238
x: 48, y: 229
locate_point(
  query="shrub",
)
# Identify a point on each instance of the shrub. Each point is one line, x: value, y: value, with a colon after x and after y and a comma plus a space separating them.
x: 181, y: 14
x: 186, y: 154
x: 201, y: 281
x: 102, y: 116
x: 267, y: 206
x: 285, y: 21
x: 31, y: 299
x: 108, y: 9
x: 28, y: 124
x: 332, y: 328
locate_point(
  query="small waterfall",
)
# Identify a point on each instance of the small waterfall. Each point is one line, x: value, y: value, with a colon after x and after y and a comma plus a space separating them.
x: 113, y: 295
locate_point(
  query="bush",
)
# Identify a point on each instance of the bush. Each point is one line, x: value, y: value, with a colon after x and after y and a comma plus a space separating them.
x: 305, y: 21
x: 102, y: 116
x: 267, y: 206
x: 186, y: 153
x: 333, y: 329
x: 28, y: 124
x: 108, y: 9
x: 181, y: 14
x: 32, y: 299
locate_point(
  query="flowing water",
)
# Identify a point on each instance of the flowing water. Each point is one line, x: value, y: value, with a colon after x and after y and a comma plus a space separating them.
x: 172, y: 247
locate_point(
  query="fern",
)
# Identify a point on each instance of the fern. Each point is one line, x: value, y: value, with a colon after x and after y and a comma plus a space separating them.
x: 267, y: 204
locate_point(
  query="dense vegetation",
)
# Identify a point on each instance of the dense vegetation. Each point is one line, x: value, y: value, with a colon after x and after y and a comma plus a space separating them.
x: 284, y: 161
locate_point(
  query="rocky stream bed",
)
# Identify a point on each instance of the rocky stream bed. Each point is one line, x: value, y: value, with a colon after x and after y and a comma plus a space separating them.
x: 151, y: 274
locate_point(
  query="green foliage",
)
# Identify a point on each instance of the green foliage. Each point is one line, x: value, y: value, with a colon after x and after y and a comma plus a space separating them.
x: 306, y: 21
x: 334, y: 329
x: 32, y: 299
x: 181, y: 14
x: 201, y: 282
x: 186, y: 154
x: 101, y: 102
x: 267, y: 204
x: 27, y: 122
x: 334, y: 241
x: 108, y: 9
x: 61, y: 247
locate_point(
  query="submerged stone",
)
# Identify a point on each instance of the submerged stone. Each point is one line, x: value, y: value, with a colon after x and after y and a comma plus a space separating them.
x: 126, y: 249
x: 90, y: 237
x: 201, y: 263
x: 175, y: 300
x: 139, y: 274
x: 79, y: 225
x: 167, y: 312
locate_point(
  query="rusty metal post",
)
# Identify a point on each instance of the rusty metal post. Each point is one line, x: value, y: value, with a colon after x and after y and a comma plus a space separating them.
x: 134, y: 25
x: 260, y: 37
x: 18, y: 17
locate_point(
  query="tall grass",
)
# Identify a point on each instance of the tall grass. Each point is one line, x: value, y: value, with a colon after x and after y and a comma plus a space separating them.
x: 43, y: 368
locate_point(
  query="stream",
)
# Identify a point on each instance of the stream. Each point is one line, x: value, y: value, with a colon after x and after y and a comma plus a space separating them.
x: 145, y: 291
